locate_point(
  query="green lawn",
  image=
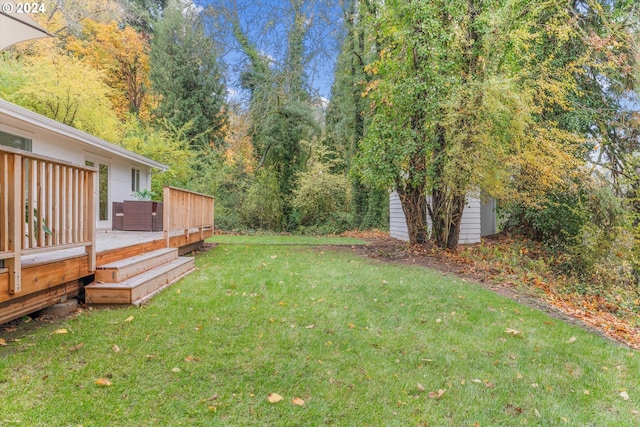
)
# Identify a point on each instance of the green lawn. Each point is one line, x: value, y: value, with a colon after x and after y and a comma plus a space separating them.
x: 362, y: 343
x: 277, y: 239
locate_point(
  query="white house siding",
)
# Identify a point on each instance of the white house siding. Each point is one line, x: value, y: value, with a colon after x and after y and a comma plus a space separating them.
x: 61, y: 142
x: 469, y: 227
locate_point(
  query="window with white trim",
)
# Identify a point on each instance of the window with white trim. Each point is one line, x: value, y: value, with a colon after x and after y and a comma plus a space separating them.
x: 135, y: 180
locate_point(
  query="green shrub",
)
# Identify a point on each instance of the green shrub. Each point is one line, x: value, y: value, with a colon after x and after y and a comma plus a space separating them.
x: 589, y: 226
x: 321, y: 197
x: 262, y: 207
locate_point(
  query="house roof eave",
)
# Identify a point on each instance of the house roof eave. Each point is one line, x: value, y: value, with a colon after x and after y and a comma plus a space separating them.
x: 25, y: 115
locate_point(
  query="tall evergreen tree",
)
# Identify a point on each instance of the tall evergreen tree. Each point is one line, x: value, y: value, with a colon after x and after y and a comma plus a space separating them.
x: 186, y: 74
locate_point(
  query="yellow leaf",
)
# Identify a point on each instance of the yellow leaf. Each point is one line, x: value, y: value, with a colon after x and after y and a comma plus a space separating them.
x: 103, y: 382
x: 274, y: 397
x: 512, y: 331
x: 298, y: 401
x: 61, y: 331
x: 310, y: 326
x: 175, y: 370
x: 128, y: 319
x: 3, y: 342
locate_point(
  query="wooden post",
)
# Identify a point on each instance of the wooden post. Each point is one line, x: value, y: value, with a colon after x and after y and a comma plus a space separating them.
x: 166, y: 215
x: 201, y: 217
x: 90, y: 189
x: 16, y: 221
x: 40, y: 202
x: 4, y: 206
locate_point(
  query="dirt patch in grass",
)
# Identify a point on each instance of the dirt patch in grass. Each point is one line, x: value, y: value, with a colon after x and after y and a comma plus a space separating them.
x: 384, y: 248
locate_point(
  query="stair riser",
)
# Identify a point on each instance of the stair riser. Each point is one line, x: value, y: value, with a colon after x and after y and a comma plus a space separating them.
x: 149, y: 287
x: 116, y: 275
x: 107, y: 296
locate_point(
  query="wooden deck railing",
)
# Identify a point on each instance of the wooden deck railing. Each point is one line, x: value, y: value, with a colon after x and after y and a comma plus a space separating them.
x: 45, y: 205
x: 185, y: 211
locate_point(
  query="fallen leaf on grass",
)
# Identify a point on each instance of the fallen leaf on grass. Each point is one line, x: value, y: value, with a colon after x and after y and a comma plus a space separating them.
x: 436, y: 394
x: 60, y: 331
x: 635, y: 412
x: 175, y: 370
x: 115, y: 349
x: 310, y: 326
x: 487, y: 384
x: 421, y: 387
x: 214, y: 397
x: 103, y: 382
x: 512, y: 332
x: 624, y: 395
x: 274, y: 397
x: 10, y: 329
x: 3, y: 342
x: 76, y: 347
x: 129, y: 319
x: 298, y: 401
x: 571, y: 340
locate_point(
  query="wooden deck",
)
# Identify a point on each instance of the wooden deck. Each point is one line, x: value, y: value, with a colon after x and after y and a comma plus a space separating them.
x: 52, y: 277
x: 50, y: 248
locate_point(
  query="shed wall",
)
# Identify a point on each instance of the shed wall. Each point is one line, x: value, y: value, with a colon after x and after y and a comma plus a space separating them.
x: 469, y: 228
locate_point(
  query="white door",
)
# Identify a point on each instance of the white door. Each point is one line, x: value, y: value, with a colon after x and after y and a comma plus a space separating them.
x: 103, y: 190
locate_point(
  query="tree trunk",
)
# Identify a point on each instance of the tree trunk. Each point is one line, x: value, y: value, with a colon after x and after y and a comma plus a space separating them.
x: 456, y: 220
x: 414, y: 206
x: 446, y: 217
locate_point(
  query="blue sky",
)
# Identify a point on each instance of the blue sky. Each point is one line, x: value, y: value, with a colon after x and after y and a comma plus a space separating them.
x: 265, y: 22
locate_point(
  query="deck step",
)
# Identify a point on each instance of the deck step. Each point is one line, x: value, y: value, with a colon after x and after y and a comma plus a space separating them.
x: 139, y: 288
x: 119, y: 271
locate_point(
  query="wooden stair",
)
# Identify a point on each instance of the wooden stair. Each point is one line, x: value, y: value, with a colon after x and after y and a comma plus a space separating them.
x: 135, y: 280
